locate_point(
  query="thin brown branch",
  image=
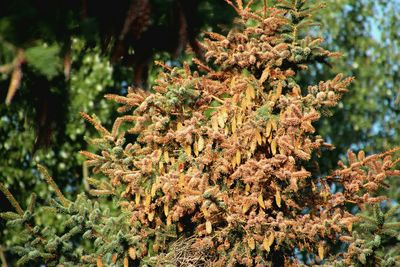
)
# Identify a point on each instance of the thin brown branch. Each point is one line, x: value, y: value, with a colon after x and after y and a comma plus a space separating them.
x: 12, y: 200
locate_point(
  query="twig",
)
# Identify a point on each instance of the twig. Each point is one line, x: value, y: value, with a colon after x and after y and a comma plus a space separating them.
x: 12, y: 200
x: 51, y: 182
x: 265, y: 8
x: 218, y: 99
x: 3, y: 258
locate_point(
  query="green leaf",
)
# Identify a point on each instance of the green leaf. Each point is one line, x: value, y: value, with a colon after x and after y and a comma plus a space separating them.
x: 208, y: 112
x: 44, y: 59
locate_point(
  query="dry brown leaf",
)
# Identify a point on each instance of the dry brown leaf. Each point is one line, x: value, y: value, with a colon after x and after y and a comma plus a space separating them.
x: 264, y: 75
x: 321, y: 251
x: 251, y: 243
x: 278, y: 198
x: 261, y: 201
x: 200, y: 143
x: 99, y: 261
x: 273, y: 147
x: 132, y: 253
x: 208, y: 227
x: 166, y: 209
x: 166, y: 156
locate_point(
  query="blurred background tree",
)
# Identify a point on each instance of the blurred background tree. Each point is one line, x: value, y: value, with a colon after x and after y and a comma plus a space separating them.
x: 59, y: 58
x: 367, y: 33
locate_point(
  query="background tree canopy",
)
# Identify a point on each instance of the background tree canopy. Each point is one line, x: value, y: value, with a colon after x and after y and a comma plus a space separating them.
x: 58, y: 58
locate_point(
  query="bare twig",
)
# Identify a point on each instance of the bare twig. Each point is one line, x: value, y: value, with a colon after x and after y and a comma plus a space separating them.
x: 3, y: 258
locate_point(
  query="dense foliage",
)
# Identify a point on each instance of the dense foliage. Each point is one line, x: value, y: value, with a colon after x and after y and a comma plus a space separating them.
x: 216, y: 166
x: 65, y: 58
x: 59, y: 59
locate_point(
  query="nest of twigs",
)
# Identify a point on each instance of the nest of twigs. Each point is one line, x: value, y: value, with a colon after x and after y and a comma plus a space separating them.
x: 183, y: 252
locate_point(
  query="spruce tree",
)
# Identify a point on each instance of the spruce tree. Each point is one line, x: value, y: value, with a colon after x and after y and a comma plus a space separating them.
x: 216, y: 166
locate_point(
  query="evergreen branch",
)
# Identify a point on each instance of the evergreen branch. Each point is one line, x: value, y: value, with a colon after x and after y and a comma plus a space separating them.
x: 96, y: 125
x: 163, y: 65
x: 391, y: 211
x: 32, y: 202
x: 8, y: 215
x: 234, y: 7
x: 391, y: 225
x: 102, y: 185
x: 18, y: 208
x: 389, y: 152
x: 97, y: 192
x: 51, y: 182
x: 172, y: 134
x: 93, y: 182
x: 201, y: 66
x: 390, y: 232
x: 12, y: 200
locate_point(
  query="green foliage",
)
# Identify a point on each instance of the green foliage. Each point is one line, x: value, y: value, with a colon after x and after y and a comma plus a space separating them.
x: 80, y: 219
x: 80, y: 223
x: 89, y: 80
x: 232, y: 182
x: 376, y: 238
x: 44, y: 59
